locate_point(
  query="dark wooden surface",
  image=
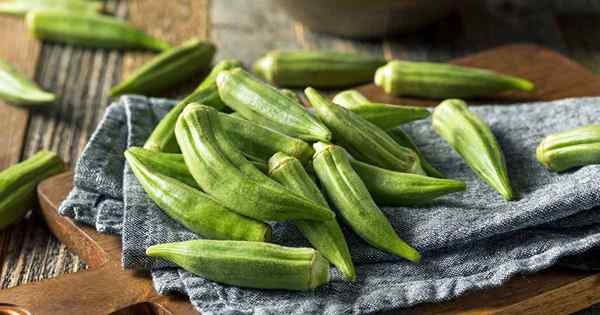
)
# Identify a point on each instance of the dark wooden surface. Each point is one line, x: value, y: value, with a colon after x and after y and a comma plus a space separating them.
x: 242, y: 29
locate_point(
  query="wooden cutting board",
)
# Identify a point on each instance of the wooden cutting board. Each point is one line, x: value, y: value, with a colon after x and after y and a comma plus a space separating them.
x: 106, y: 287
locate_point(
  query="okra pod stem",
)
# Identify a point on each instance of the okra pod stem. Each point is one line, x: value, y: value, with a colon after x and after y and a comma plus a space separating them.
x: 17, y: 89
x: 576, y: 147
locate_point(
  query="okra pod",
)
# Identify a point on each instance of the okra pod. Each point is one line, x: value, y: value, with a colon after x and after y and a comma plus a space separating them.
x: 225, y: 174
x: 192, y: 208
x: 267, y: 106
x: 163, y: 135
x: 474, y: 142
x: 438, y: 80
x: 17, y: 89
x: 291, y: 94
x: 400, y: 136
x: 390, y: 188
x: 96, y: 31
x: 248, y: 264
x: 327, y: 236
x: 384, y: 116
x: 576, y: 147
x: 351, y: 197
x: 18, y: 184
x: 22, y: 7
x: 365, y: 141
x: 323, y: 69
x: 168, y: 69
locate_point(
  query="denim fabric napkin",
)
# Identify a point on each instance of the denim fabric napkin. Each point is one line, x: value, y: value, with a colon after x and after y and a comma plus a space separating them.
x: 469, y: 240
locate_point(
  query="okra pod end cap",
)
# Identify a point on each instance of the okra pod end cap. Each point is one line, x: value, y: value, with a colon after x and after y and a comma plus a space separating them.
x: 265, y: 67
x: 384, y: 77
x: 277, y: 161
x: 541, y: 156
x: 320, y: 271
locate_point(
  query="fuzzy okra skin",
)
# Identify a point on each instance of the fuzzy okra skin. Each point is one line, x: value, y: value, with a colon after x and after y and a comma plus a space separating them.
x: 17, y: 89
x: 248, y: 264
x: 22, y: 7
x: 223, y: 172
x: 96, y: 31
x: 163, y: 135
x: 323, y: 69
x: 187, y: 205
x: 168, y: 69
x: 389, y: 188
x: 400, y: 136
x: 18, y: 184
x: 326, y: 236
x: 365, y: 141
x: 572, y: 148
x: 353, y: 200
x: 384, y: 116
x: 265, y: 105
x: 439, y: 80
x: 473, y: 140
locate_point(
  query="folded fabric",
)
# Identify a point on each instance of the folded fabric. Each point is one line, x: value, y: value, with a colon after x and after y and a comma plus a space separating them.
x: 469, y: 240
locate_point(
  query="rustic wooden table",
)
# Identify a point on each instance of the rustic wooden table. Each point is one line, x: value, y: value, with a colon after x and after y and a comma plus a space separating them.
x: 245, y: 30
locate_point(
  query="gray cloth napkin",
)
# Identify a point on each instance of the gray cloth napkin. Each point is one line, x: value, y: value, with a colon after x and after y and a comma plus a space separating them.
x: 469, y: 240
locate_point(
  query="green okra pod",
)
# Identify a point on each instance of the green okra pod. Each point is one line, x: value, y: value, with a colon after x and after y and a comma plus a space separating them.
x: 168, y: 69
x: 384, y: 116
x: 192, y: 208
x: 22, y: 7
x: 267, y: 106
x: 17, y: 89
x: 390, y: 188
x: 474, y: 142
x: 248, y: 264
x: 576, y: 147
x: 96, y: 31
x: 163, y: 135
x: 351, y: 197
x: 365, y: 141
x: 400, y: 136
x: 18, y: 184
x: 222, y: 172
x: 326, y: 236
x: 438, y: 80
x: 323, y: 69
x: 291, y: 94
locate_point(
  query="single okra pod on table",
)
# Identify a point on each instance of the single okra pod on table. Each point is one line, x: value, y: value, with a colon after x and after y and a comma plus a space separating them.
x: 400, y: 136
x: 323, y: 69
x: 365, y: 141
x: 576, y: 147
x: 474, y: 142
x: 17, y: 89
x: 18, y: 184
x: 96, y: 31
x: 266, y: 105
x: 248, y: 264
x: 439, y: 80
x: 189, y: 206
x: 353, y: 200
x: 163, y: 135
x: 22, y: 7
x: 326, y: 236
x: 390, y: 188
x: 385, y: 116
x: 168, y: 69
x: 222, y: 172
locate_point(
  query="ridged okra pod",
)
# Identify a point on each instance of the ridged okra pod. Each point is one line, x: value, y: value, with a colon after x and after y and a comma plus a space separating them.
x: 17, y: 89
x: 353, y: 201
x: 22, y: 7
x: 266, y: 105
x: 576, y: 147
x: 438, y: 80
x: 18, y: 184
x: 384, y: 116
x: 365, y: 141
x: 400, y: 136
x: 96, y: 31
x: 291, y: 94
x: 326, y: 236
x: 323, y: 69
x: 474, y: 142
x: 197, y: 211
x: 390, y: 188
x: 163, y: 135
x: 248, y: 264
x: 222, y: 171
x: 168, y: 69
